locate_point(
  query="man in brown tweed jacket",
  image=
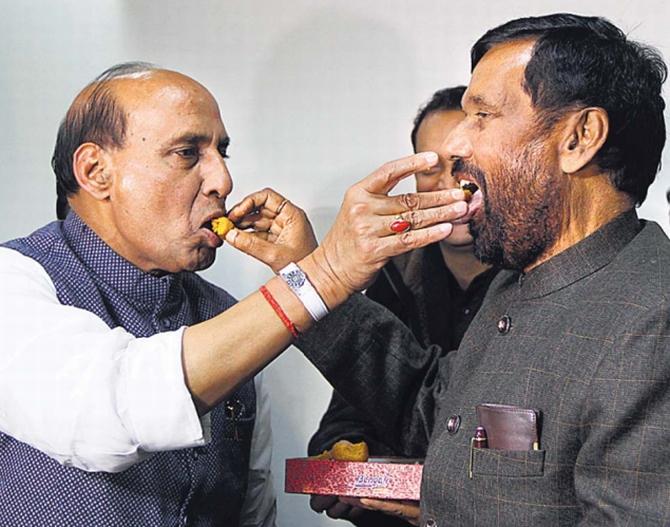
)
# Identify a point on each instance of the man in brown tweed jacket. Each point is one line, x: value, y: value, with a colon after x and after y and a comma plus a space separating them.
x: 563, y: 136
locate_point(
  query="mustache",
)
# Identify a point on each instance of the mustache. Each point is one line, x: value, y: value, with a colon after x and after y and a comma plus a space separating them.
x: 461, y: 167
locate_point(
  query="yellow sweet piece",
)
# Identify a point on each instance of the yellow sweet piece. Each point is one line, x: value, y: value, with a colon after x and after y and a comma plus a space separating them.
x: 344, y: 450
x: 222, y: 225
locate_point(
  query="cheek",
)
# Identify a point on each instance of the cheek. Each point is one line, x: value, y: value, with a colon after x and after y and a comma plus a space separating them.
x: 134, y: 181
x: 147, y: 191
x: 421, y: 186
x: 427, y: 183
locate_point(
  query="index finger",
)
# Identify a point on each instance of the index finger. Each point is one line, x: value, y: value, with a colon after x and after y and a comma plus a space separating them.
x: 256, y: 201
x: 382, y: 180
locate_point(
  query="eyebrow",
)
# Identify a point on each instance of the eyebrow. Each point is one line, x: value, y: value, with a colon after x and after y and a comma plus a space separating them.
x: 478, y: 100
x: 197, y: 139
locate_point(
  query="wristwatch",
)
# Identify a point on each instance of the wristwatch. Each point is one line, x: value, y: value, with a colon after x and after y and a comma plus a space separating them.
x: 298, y: 282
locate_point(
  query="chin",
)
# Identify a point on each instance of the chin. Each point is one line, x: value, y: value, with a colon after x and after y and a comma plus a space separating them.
x: 198, y: 260
x: 206, y: 260
x: 460, y: 237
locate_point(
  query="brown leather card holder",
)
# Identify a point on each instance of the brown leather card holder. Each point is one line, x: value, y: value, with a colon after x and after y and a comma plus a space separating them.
x: 509, y: 427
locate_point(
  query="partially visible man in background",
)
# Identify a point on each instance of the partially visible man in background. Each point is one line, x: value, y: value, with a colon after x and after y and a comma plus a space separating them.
x: 436, y: 291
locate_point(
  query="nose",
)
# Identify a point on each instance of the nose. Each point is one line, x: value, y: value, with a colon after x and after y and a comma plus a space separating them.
x: 457, y: 145
x: 216, y: 178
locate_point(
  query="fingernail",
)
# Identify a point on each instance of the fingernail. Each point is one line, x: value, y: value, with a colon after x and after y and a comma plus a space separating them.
x: 458, y: 194
x: 430, y: 157
x: 446, y: 228
x: 230, y: 236
x: 461, y: 207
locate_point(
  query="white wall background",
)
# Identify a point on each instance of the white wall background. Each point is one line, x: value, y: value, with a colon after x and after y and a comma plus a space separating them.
x: 315, y: 94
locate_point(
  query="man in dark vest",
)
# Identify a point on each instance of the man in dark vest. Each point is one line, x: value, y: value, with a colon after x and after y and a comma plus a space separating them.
x: 102, y: 261
x: 127, y: 393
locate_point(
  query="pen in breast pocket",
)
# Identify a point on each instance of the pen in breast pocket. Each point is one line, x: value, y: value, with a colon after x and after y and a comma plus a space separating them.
x: 480, y: 440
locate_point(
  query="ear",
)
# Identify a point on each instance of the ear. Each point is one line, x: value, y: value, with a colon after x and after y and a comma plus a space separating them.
x: 585, y: 135
x: 89, y: 164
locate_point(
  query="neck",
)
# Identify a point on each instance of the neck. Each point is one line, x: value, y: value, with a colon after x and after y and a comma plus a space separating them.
x: 99, y: 220
x: 591, y: 201
x: 462, y: 263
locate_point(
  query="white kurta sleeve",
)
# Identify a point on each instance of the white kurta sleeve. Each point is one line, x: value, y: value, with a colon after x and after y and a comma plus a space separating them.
x: 86, y: 395
x: 259, y: 508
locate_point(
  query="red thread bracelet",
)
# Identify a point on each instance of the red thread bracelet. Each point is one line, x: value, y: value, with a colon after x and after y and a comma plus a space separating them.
x: 280, y: 312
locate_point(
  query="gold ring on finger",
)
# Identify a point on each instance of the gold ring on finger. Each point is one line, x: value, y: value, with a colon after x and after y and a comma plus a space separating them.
x: 281, y: 206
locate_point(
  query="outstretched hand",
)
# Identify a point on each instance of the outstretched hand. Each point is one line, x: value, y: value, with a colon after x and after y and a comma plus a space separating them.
x: 363, y: 237
x: 367, y: 231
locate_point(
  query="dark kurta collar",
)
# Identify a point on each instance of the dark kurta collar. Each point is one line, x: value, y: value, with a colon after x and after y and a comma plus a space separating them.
x: 146, y: 291
x: 582, y: 259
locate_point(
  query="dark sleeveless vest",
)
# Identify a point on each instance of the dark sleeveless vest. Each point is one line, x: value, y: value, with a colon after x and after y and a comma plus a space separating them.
x: 202, y: 486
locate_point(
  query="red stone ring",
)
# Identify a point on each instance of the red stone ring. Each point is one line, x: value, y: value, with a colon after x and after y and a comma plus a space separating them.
x: 398, y: 225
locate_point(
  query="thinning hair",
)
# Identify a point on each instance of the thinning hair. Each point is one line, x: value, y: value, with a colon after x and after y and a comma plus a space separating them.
x: 94, y: 116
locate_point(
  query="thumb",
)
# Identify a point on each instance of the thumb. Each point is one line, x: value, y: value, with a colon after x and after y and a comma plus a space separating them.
x: 251, y: 244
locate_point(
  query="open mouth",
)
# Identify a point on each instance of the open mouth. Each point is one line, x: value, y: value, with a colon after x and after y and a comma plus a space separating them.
x: 474, y: 198
x: 221, y: 226
x: 469, y: 188
x: 210, y: 226
x: 212, y: 220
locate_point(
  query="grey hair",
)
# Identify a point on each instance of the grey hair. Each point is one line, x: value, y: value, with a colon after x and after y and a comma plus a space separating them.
x: 136, y: 69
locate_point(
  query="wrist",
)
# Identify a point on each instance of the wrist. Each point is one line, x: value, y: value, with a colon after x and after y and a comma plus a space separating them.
x: 299, y: 283
x: 326, y: 282
x: 290, y: 303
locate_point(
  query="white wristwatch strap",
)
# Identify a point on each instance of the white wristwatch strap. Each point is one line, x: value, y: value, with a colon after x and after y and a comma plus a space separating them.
x: 297, y: 280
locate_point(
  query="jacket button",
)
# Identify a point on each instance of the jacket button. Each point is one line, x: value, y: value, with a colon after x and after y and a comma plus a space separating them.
x: 453, y: 424
x: 431, y: 523
x: 504, y: 324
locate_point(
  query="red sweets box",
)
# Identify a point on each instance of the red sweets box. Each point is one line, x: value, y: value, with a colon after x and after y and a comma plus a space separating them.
x: 387, y: 478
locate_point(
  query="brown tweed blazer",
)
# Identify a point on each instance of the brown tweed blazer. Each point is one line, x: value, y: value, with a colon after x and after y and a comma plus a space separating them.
x: 584, y: 339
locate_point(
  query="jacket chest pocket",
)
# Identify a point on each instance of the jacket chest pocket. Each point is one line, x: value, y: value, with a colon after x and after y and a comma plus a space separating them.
x: 507, y: 463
